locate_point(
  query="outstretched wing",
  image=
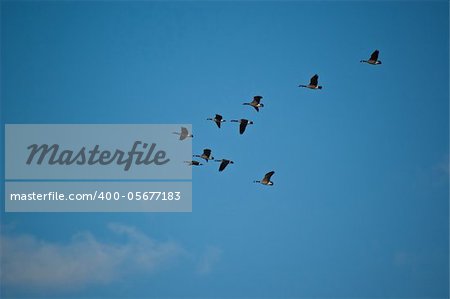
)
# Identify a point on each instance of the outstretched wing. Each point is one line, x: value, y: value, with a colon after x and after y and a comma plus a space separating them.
x: 223, y: 164
x: 267, y: 177
x: 257, y: 99
x: 207, y: 152
x: 184, y: 133
x: 374, y: 55
x: 243, y: 125
x: 314, y: 80
x: 218, y: 120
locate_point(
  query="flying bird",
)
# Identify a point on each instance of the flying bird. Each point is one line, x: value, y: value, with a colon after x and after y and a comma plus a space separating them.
x: 243, y: 124
x: 255, y: 103
x: 218, y: 119
x: 266, y: 180
x: 193, y: 162
x: 313, y: 83
x: 184, y: 133
x: 373, y: 58
x: 206, y: 155
x: 224, y: 163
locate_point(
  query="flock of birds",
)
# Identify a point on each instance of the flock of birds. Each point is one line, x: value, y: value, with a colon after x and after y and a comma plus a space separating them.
x: 243, y: 123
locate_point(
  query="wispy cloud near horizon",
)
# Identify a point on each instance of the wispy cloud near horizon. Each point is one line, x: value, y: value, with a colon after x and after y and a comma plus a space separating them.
x: 210, y: 257
x: 37, y: 265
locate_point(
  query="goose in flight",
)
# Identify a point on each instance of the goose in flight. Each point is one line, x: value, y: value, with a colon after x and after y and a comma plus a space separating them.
x: 266, y: 180
x: 255, y: 103
x: 218, y: 119
x: 224, y: 163
x: 184, y: 133
x: 373, y: 58
x: 313, y: 83
x: 193, y: 162
x: 206, y: 155
x: 243, y: 124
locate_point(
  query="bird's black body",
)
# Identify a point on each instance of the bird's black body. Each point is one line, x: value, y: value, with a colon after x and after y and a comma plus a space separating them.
x: 255, y: 103
x: 224, y: 163
x: 206, y: 155
x: 193, y: 162
x: 184, y: 133
x: 266, y: 180
x: 243, y: 124
x: 313, y: 83
x: 218, y: 119
x: 373, y: 58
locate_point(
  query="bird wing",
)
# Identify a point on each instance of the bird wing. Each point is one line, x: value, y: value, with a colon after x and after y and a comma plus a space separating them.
x: 218, y: 119
x: 257, y: 99
x: 207, y: 152
x: 243, y: 125
x: 184, y: 133
x: 223, y: 164
x: 267, y: 177
x: 314, y: 80
x: 374, y: 55
x: 257, y: 108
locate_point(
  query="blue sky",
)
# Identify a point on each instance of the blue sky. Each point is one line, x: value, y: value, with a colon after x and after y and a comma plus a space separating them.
x: 360, y: 202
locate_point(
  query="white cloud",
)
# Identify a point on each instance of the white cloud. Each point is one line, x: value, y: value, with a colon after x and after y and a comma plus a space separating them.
x: 42, y: 265
x: 210, y: 257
